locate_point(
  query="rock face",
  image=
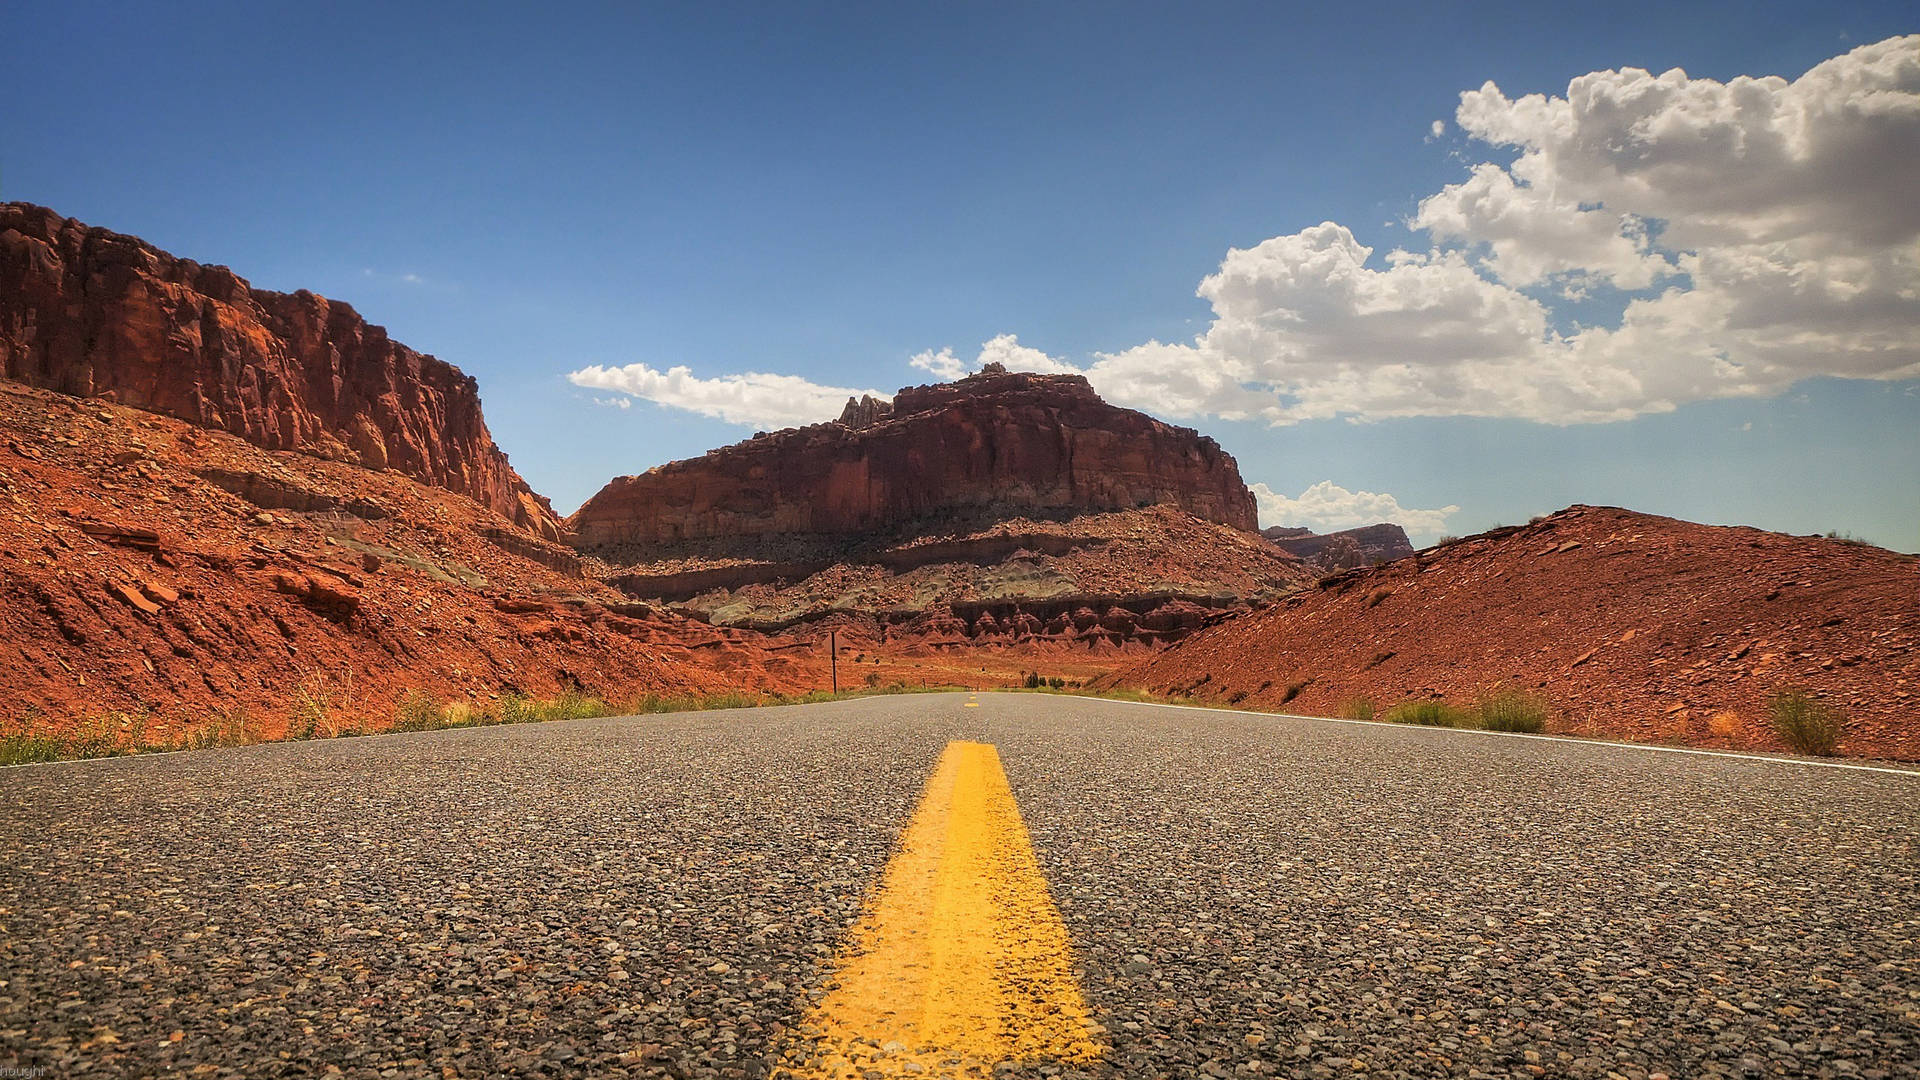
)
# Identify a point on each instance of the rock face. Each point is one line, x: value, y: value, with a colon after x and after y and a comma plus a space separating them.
x: 92, y: 313
x: 1347, y: 548
x: 995, y: 441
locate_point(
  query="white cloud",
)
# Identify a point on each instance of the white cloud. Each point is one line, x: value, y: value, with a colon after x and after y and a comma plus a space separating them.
x: 1776, y: 217
x: 756, y: 399
x: 1007, y: 351
x: 614, y: 402
x: 942, y: 365
x: 1004, y: 350
x: 1533, y: 234
x: 1438, y: 129
x: 1328, y: 507
x: 1764, y: 231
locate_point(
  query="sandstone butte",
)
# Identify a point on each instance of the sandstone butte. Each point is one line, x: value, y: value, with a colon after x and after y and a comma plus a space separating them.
x: 92, y: 313
x: 998, y: 442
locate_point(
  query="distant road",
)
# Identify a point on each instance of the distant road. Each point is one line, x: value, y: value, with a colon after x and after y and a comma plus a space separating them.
x: 1112, y: 890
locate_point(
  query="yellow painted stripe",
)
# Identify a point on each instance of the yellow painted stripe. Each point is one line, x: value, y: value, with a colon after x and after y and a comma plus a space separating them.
x: 960, y: 960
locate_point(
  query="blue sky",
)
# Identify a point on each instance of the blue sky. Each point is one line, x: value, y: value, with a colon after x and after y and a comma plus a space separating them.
x: 825, y: 192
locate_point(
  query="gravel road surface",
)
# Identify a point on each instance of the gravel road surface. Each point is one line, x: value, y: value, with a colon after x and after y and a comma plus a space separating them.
x: 661, y: 896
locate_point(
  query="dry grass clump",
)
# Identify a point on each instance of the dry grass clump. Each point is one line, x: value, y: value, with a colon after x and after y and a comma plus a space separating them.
x: 1428, y: 714
x: 1511, y: 710
x: 1807, y: 724
x: 25, y: 739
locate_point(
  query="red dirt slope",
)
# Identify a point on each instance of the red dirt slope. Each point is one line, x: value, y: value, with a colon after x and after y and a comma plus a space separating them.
x: 149, y: 564
x: 1633, y: 626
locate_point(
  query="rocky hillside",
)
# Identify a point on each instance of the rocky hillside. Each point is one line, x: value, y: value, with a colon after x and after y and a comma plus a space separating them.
x: 1119, y: 578
x: 151, y: 568
x: 996, y: 442
x: 95, y: 314
x: 1632, y: 626
x: 1001, y: 509
x: 1345, y: 549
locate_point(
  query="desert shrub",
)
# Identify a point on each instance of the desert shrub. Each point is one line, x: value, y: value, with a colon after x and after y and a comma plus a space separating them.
x: 418, y: 711
x: 873, y: 678
x: 225, y: 727
x: 106, y: 736
x: 1032, y: 681
x: 730, y: 700
x: 1510, y: 710
x: 1293, y: 689
x: 1057, y: 682
x: 21, y: 741
x: 312, y: 706
x: 1426, y: 714
x: 514, y: 708
x: 574, y: 704
x: 1236, y: 697
x: 1360, y: 708
x: 1805, y: 723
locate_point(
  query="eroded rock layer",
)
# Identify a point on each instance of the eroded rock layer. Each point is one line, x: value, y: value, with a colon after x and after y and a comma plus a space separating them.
x: 1364, y: 546
x: 92, y: 313
x: 997, y: 441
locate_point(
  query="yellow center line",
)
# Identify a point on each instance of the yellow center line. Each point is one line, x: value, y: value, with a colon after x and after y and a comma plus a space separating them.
x: 960, y: 960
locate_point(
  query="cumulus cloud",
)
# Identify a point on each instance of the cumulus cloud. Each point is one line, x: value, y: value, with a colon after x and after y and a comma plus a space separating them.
x: 1004, y: 350
x: 1765, y: 230
x: 1328, y: 507
x: 1749, y: 233
x: 942, y: 365
x: 755, y: 399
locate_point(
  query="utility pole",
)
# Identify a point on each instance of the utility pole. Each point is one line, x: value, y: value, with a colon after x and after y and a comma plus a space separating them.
x: 833, y: 657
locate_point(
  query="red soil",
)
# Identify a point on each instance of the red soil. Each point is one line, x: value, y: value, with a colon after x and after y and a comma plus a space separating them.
x: 1633, y: 626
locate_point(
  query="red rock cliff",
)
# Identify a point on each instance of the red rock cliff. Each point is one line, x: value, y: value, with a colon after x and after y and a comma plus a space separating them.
x: 92, y: 313
x: 994, y: 440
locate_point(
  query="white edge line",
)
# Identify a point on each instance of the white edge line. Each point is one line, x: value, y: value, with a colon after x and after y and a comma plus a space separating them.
x: 1814, y: 763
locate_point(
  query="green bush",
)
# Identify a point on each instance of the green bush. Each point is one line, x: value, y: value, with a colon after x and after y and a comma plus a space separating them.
x: 1513, y: 711
x: 1360, y: 708
x: 1032, y: 681
x: 1806, y: 724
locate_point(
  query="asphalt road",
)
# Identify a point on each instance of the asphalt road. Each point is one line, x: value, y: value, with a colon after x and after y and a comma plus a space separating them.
x: 661, y: 896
